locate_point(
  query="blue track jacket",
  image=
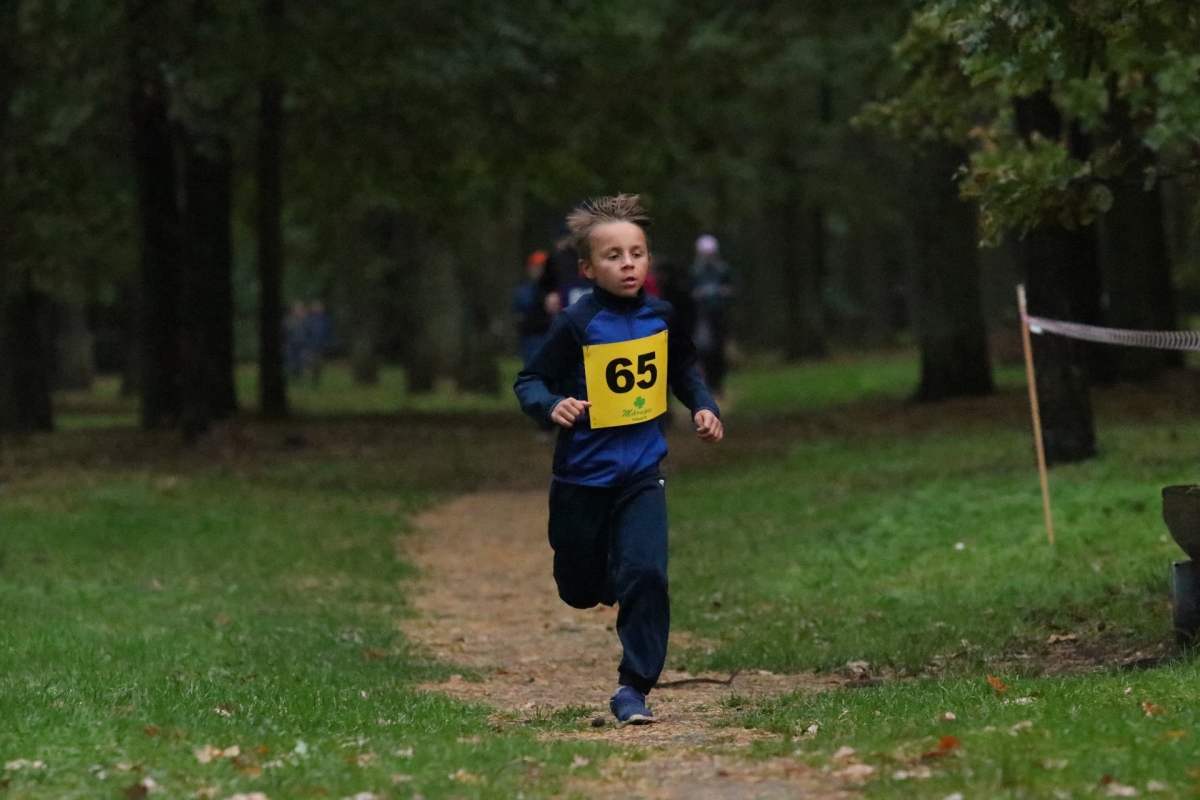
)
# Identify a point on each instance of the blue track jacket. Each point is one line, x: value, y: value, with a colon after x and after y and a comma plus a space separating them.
x: 609, y: 456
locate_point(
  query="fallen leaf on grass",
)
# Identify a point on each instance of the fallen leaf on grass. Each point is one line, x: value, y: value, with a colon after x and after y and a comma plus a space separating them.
x: 1054, y: 763
x: 151, y: 730
x: 946, y: 745
x: 404, y: 752
x: 1172, y: 735
x: 470, y: 739
x: 1024, y: 725
x: 400, y: 777
x: 1156, y: 786
x: 462, y: 776
x: 22, y: 763
x: 207, y: 793
x: 220, y: 619
x: 1153, y: 710
x: 947, y: 717
x: 917, y: 773
x: 997, y: 684
x: 844, y: 754
x: 1120, y: 790
x: 1055, y: 638
x: 371, y: 654
x: 362, y: 796
x: 207, y: 753
x: 360, y: 759
x: 251, y: 796
x: 579, y: 761
x: 855, y: 773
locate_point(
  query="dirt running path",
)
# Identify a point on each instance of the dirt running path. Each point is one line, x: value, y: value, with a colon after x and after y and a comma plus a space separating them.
x: 487, y: 601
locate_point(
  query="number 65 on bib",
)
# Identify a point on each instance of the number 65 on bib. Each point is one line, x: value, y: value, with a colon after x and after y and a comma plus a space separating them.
x: 626, y: 381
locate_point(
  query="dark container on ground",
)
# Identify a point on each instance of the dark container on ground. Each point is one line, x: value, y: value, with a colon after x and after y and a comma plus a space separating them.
x: 1181, y: 512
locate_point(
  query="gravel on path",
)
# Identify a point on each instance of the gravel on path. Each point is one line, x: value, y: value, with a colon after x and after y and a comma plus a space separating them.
x: 486, y: 601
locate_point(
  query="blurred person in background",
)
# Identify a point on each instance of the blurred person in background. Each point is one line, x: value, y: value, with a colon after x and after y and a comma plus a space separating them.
x: 318, y: 340
x: 294, y: 330
x: 564, y: 262
x: 674, y: 285
x: 532, y: 306
x: 713, y: 293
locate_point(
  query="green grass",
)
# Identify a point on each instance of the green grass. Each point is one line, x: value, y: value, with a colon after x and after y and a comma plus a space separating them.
x: 145, y: 617
x: 762, y: 386
x: 766, y: 386
x: 1064, y: 734
x: 338, y: 394
x: 135, y: 600
x: 846, y: 550
x: 103, y: 406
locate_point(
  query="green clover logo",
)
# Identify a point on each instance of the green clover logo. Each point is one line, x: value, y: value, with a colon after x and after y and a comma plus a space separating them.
x: 638, y: 403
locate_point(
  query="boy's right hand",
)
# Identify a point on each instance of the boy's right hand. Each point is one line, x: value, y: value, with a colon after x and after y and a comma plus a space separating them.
x: 567, y: 411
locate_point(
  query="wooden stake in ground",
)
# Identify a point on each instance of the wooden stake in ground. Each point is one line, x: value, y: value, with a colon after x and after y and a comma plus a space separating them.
x: 1031, y: 378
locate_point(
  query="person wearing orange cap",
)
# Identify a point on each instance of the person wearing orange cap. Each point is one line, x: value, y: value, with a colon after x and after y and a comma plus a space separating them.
x: 532, y: 308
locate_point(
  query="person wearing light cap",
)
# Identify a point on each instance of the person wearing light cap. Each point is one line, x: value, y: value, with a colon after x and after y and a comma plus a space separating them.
x: 712, y: 289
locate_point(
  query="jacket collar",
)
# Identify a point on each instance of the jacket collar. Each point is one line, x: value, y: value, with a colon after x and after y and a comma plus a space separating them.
x: 621, y: 305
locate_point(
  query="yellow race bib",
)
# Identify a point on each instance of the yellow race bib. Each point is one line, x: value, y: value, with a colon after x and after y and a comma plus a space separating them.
x: 626, y: 381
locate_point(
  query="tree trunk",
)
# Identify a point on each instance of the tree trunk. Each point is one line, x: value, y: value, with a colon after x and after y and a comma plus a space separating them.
x: 364, y: 356
x: 951, y: 331
x: 272, y: 383
x: 8, y: 64
x: 206, y: 339
x: 482, y: 286
x: 873, y: 279
x: 405, y: 297
x: 26, y: 404
x: 1062, y: 282
x: 75, y: 361
x: 804, y: 261
x: 160, y: 251
x: 1136, y: 258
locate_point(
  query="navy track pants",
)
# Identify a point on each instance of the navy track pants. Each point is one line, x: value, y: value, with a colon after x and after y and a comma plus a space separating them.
x: 610, y: 546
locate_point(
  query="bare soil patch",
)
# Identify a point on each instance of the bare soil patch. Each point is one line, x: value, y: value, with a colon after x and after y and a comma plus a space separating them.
x: 487, y: 601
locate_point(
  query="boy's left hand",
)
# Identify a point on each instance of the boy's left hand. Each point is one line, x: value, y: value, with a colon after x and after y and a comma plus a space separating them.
x: 708, y: 426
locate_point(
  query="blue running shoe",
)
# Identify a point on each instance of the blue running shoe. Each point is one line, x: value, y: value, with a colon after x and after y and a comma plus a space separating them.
x: 628, y: 705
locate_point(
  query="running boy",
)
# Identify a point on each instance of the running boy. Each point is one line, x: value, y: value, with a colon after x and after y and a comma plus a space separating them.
x: 602, y: 376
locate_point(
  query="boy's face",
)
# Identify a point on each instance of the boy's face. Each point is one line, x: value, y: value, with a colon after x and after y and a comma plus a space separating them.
x: 620, y: 258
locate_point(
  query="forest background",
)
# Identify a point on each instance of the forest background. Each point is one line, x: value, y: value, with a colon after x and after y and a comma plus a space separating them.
x: 174, y: 172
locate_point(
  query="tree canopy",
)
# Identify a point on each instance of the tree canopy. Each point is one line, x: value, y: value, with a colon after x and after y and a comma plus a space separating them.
x: 1122, y: 75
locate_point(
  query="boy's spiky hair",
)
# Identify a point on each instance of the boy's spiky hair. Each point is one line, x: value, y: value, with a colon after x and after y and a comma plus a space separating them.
x: 601, y: 211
